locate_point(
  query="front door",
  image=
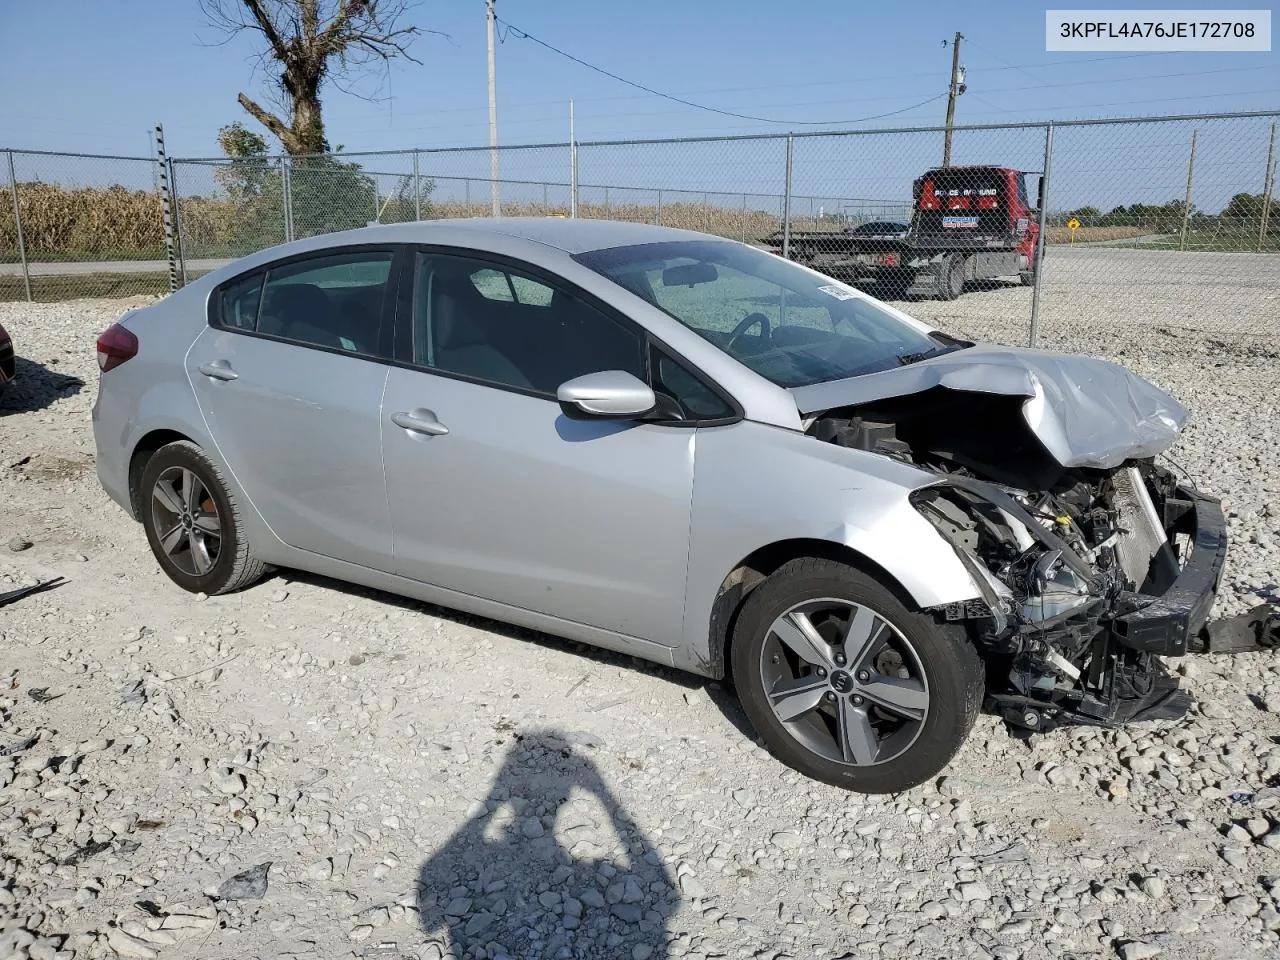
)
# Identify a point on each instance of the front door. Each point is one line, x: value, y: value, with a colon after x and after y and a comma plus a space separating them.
x: 494, y: 492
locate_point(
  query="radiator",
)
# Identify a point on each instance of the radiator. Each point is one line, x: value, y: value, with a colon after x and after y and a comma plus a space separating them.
x: 1142, y: 533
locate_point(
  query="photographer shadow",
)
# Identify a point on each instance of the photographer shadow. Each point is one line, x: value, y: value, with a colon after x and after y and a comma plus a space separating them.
x: 552, y: 867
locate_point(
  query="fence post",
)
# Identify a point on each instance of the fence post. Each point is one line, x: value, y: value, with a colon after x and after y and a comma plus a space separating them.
x: 573, y: 180
x: 17, y: 223
x: 284, y: 197
x: 607, y: 209
x: 1186, y: 204
x: 417, y: 189
x: 466, y: 193
x: 177, y: 219
x: 1268, y: 188
x: 377, y: 210
x: 744, y: 218
x: 786, y: 202
x: 1044, y: 219
x: 166, y: 207
x: 658, y: 216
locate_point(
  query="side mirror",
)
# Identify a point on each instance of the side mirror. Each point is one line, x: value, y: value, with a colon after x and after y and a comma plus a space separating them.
x: 609, y: 394
x: 1039, y: 192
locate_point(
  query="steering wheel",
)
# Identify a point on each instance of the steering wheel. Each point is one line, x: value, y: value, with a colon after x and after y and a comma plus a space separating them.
x: 745, y: 324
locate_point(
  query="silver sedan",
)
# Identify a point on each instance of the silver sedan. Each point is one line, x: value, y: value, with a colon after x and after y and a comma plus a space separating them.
x: 683, y: 448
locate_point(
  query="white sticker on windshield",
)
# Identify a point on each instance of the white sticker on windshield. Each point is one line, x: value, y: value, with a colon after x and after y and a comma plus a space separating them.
x: 839, y: 292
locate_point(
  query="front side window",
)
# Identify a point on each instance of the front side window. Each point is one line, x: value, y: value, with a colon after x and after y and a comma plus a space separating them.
x: 497, y: 324
x: 774, y: 317
x: 333, y: 301
x: 695, y: 398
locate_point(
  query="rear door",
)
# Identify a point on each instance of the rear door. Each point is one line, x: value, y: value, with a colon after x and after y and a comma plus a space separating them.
x: 290, y: 374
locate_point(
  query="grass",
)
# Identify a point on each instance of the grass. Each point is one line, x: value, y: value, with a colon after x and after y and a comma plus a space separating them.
x: 74, y: 286
x: 1212, y: 241
x: 1062, y: 235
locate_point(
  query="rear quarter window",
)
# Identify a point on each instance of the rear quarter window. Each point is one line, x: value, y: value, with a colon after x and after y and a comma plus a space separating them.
x: 238, y: 303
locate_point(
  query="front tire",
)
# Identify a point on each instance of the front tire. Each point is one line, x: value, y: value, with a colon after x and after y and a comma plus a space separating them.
x: 846, y: 685
x: 193, y: 522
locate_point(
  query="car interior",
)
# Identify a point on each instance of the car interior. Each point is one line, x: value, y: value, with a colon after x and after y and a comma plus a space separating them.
x: 536, y: 346
x: 345, y: 318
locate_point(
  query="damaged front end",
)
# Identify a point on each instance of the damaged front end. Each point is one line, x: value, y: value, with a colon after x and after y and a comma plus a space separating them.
x: 1093, y: 562
x: 1085, y: 588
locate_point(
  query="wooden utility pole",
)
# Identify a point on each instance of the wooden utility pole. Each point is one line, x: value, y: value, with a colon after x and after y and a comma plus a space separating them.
x: 493, y: 116
x: 1268, y: 188
x: 951, y: 97
x: 1186, y: 203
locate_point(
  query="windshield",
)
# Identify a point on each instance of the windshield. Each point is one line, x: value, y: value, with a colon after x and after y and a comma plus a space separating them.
x: 781, y: 321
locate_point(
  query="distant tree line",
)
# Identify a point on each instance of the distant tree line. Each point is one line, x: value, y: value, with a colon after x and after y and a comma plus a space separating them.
x: 1244, y: 210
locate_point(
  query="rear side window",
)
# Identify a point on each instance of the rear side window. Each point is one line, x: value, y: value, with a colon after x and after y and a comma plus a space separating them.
x: 334, y: 301
x: 238, y: 303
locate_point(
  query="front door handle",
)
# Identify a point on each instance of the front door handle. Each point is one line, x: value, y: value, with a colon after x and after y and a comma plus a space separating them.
x: 420, y: 420
x: 218, y: 370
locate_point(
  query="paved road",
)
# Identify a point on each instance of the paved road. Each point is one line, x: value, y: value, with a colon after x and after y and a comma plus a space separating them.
x: 106, y: 266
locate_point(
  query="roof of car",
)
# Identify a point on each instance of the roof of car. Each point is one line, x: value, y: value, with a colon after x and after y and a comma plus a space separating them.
x: 570, y: 235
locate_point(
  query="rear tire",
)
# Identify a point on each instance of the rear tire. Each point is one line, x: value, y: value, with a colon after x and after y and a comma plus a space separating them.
x: 193, y: 522
x: 951, y: 278
x: 890, y: 706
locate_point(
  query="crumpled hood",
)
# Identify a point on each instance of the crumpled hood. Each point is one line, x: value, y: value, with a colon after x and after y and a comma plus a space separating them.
x: 1087, y: 413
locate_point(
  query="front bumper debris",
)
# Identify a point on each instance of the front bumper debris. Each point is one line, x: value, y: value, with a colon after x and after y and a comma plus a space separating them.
x: 1166, y: 625
x: 1251, y: 632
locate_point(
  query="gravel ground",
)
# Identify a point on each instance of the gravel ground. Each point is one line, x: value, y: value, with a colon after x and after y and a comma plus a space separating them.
x: 306, y: 769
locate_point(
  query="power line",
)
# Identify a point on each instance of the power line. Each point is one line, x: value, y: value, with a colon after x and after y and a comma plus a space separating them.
x: 1008, y: 65
x: 521, y: 34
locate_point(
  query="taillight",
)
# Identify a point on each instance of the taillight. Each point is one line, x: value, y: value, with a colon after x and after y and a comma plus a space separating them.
x: 115, y: 346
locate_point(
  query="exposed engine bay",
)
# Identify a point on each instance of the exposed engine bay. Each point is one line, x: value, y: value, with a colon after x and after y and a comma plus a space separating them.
x: 1088, y: 576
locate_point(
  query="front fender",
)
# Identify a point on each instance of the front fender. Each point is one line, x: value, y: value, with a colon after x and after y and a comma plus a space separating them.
x: 756, y: 485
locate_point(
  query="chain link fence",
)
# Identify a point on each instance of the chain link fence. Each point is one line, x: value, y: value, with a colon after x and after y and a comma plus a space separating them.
x: 1040, y: 232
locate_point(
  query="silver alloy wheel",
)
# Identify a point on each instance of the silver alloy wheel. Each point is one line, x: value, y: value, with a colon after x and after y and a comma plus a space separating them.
x: 186, y: 521
x: 844, y: 682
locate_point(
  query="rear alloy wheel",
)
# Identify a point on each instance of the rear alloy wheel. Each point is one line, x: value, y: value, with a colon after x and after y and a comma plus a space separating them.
x: 846, y: 685
x: 193, y: 524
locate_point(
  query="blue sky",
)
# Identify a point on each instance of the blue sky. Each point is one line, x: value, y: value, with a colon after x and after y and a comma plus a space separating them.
x: 94, y: 76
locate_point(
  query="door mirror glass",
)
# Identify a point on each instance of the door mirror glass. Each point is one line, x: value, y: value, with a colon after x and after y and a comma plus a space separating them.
x: 611, y: 394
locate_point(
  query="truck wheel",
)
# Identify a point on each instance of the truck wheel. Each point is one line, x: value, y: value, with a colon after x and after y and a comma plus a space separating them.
x: 1027, y: 277
x: 846, y: 685
x: 951, y: 278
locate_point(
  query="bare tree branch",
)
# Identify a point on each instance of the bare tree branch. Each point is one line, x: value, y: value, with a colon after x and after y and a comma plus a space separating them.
x: 313, y: 41
x: 271, y: 122
x: 268, y: 28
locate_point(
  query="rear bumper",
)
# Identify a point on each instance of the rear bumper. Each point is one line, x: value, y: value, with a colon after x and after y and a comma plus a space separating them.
x: 1167, y: 625
x: 110, y: 435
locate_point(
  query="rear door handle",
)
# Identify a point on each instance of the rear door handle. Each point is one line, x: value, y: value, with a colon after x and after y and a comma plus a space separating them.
x: 218, y: 370
x: 420, y: 420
